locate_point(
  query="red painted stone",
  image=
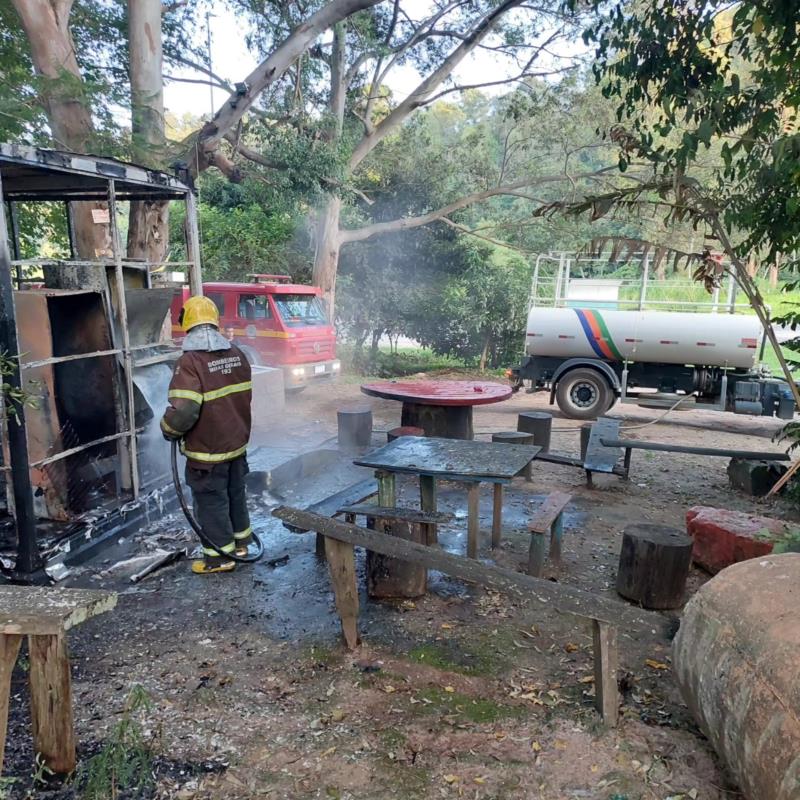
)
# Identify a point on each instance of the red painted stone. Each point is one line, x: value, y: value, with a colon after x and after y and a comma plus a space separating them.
x: 723, y: 537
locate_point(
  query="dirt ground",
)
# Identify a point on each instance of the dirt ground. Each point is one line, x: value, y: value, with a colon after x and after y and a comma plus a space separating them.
x: 463, y: 693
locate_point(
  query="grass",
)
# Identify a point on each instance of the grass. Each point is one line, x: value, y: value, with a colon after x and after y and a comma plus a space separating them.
x: 475, y: 709
x: 125, y: 762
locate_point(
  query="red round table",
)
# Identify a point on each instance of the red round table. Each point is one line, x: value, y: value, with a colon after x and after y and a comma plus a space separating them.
x: 441, y: 408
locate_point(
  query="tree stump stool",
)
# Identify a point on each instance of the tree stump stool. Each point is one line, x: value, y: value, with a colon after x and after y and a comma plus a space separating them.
x: 404, y: 430
x: 389, y: 577
x: 653, y: 565
x: 354, y: 426
x: 538, y: 423
x: 517, y: 437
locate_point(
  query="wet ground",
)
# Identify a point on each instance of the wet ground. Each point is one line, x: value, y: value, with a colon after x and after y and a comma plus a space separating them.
x: 462, y: 693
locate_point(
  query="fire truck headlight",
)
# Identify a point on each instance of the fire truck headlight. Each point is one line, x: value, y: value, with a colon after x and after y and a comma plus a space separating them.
x: 298, y: 372
x: 336, y: 366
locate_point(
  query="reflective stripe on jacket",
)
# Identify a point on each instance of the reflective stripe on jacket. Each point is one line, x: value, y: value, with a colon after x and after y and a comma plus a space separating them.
x: 209, y: 405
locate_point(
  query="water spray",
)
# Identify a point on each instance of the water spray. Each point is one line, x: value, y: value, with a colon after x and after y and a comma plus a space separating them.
x: 248, y: 559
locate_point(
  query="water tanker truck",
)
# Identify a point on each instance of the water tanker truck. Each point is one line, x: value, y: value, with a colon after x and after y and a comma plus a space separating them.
x: 590, y: 357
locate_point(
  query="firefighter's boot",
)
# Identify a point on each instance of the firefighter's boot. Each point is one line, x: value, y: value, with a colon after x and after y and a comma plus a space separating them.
x: 208, y: 566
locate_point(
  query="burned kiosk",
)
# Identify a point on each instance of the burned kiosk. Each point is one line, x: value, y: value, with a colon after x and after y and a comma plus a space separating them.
x: 85, y: 340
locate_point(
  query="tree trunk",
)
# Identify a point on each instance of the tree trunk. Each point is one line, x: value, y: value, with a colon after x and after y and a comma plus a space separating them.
x: 373, y: 351
x: 326, y: 261
x: 148, y: 230
x: 46, y: 24
x: 485, y: 352
x: 774, y: 271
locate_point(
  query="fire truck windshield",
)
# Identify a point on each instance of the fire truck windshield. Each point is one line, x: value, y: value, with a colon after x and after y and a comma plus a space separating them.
x: 297, y: 310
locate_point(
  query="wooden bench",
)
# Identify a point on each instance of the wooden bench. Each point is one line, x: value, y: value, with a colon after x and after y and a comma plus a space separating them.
x: 44, y: 615
x: 547, y: 519
x: 605, y: 614
x: 329, y: 506
x: 389, y: 577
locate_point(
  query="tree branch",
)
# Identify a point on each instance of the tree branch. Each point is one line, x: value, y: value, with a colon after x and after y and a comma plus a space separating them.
x: 406, y: 223
x: 267, y: 72
x: 419, y: 96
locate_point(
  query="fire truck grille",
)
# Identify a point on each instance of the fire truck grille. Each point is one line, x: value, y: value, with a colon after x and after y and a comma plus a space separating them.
x: 321, y: 349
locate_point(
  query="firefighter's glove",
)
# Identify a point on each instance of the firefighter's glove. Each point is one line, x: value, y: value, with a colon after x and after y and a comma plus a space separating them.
x: 169, y: 433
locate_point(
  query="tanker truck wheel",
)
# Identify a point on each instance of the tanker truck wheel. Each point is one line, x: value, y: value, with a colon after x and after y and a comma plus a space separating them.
x: 584, y: 394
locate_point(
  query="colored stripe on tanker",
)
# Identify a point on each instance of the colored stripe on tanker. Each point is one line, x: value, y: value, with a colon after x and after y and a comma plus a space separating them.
x: 594, y: 326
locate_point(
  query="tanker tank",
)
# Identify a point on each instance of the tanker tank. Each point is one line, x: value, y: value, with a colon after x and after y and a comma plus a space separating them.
x: 721, y: 340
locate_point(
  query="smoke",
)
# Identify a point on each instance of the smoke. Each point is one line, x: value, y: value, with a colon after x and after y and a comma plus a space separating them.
x: 152, y: 382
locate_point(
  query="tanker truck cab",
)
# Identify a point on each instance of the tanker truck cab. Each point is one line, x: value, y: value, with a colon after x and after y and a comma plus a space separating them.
x: 276, y: 323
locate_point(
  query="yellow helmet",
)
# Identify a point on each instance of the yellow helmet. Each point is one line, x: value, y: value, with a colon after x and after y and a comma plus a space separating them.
x: 199, y: 311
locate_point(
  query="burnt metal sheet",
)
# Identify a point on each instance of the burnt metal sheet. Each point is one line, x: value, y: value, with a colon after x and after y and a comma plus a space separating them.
x: 457, y: 459
x: 600, y: 458
x: 38, y: 174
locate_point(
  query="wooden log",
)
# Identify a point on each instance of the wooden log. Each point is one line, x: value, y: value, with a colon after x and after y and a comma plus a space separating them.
x: 342, y: 565
x: 9, y: 648
x: 564, y: 599
x: 653, y: 565
x: 392, y: 577
x: 354, y: 427
x: 517, y: 437
x: 428, y: 502
x: 606, y: 663
x: 51, y: 702
x: 497, y: 515
x: 539, y: 424
x: 447, y: 422
x: 473, y: 519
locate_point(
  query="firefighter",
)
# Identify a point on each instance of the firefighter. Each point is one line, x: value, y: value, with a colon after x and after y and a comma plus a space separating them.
x: 209, y: 411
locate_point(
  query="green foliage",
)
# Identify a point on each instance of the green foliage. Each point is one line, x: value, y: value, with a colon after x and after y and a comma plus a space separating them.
x: 125, y: 762
x: 247, y: 228
x: 690, y: 77
x: 13, y: 398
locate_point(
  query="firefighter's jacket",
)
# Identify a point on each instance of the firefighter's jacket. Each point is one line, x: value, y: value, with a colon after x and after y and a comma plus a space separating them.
x: 209, y: 405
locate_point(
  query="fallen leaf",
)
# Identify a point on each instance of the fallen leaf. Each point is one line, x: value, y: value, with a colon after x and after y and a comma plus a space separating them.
x: 451, y: 778
x: 329, y: 752
x: 570, y: 647
x: 655, y: 664
x: 388, y: 688
x: 338, y: 715
x: 536, y: 747
x: 594, y: 768
x: 560, y: 744
x: 447, y: 626
x: 479, y: 780
x: 587, y: 679
x: 449, y: 689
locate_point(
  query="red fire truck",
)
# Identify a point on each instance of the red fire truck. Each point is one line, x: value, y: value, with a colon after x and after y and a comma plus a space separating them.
x: 276, y: 323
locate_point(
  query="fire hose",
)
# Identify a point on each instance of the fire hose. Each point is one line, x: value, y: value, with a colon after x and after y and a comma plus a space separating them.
x: 187, y: 512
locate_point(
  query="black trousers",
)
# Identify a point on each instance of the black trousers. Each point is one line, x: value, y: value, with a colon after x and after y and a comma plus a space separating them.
x: 220, y: 504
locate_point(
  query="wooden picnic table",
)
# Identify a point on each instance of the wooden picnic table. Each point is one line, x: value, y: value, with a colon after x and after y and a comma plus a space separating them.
x: 440, y: 408
x: 463, y: 461
x: 44, y: 615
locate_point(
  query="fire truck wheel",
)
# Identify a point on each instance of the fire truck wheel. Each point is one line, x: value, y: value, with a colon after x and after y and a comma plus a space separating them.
x: 251, y: 355
x: 584, y: 394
